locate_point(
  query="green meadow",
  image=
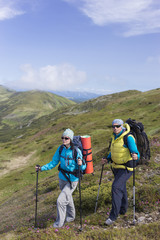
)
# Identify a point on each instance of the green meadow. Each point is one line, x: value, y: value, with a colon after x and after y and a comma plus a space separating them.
x: 30, y: 132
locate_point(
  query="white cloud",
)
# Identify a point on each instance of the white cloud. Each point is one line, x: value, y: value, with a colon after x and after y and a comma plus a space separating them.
x: 153, y: 59
x: 57, y: 77
x: 9, y: 9
x: 13, y: 8
x: 138, y: 16
x: 7, y: 13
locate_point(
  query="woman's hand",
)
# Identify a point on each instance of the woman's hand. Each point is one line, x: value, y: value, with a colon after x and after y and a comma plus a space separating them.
x: 104, y: 160
x: 79, y: 161
x: 38, y: 168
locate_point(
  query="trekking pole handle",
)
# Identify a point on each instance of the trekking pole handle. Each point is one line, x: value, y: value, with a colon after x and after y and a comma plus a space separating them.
x: 78, y: 161
x: 38, y: 168
x: 134, y: 153
x: 134, y: 159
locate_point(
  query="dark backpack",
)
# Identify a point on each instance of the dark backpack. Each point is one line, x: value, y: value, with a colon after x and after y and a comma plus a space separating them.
x: 137, y: 130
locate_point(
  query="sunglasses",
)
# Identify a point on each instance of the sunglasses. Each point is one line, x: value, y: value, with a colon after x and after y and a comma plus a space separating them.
x: 116, y: 126
x: 66, y: 138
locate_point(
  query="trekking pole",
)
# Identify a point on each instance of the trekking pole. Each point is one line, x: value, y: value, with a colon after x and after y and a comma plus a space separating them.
x: 134, y: 205
x: 99, y: 188
x: 37, y: 171
x: 80, y: 202
x: 134, y: 200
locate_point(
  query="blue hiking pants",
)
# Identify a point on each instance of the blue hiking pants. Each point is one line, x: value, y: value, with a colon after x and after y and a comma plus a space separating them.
x: 119, y: 192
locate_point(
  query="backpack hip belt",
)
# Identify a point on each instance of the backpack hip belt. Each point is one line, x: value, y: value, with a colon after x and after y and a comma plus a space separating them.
x: 66, y: 174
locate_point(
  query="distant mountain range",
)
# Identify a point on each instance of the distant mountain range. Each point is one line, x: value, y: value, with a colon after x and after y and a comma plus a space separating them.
x: 77, y: 96
x: 19, y: 108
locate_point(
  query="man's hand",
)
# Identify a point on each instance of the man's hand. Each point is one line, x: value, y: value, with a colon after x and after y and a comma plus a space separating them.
x: 134, y: 156
x: 104, y: 160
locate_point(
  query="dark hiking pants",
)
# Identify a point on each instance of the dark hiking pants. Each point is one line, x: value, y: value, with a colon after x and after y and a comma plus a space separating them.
x: 119, y: 193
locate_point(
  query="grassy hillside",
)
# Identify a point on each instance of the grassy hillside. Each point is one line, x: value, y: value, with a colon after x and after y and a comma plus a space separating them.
x: 5, y: 93
x: 20, y: 108
x: 22, y: 148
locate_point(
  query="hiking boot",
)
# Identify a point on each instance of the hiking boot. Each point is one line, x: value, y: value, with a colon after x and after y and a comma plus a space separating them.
x: 122, y: 212
x: 109, y: 222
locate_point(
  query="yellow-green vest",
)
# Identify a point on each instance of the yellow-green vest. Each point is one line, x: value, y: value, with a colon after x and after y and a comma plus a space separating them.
x: 119, y: 153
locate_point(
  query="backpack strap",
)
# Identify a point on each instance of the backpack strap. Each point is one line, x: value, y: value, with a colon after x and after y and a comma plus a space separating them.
x: 126, y: 136
x: 65, y: 172
x: 131, y: 163
x: 109, y: 146
x: 75, y: 152
x: 60, y: 149
x: 125, y: 139
x: 87, y: 153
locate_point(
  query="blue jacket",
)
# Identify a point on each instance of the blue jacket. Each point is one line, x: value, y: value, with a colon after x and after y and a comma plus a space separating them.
x: 66, y: 162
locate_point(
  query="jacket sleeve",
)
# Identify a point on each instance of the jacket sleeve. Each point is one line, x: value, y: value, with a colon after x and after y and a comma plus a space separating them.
x: 132, y: 145
x: 53, y: 163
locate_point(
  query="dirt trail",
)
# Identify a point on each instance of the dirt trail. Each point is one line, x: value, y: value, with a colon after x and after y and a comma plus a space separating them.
x: 15, y: 163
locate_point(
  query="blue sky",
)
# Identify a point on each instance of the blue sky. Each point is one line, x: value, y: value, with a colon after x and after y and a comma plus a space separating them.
x: 101, y: 46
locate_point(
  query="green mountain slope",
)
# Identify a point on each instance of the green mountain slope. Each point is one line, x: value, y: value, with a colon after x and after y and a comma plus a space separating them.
x: 22, y: 148
x: 5, y: 93
x: 20, y: 108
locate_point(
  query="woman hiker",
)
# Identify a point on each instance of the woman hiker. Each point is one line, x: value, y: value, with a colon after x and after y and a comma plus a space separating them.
x: 68, y: 177
x: 121, y: 157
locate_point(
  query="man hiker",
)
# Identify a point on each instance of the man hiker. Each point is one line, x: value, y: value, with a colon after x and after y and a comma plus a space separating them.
x: 122, y: 158
x: 68, y: 177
